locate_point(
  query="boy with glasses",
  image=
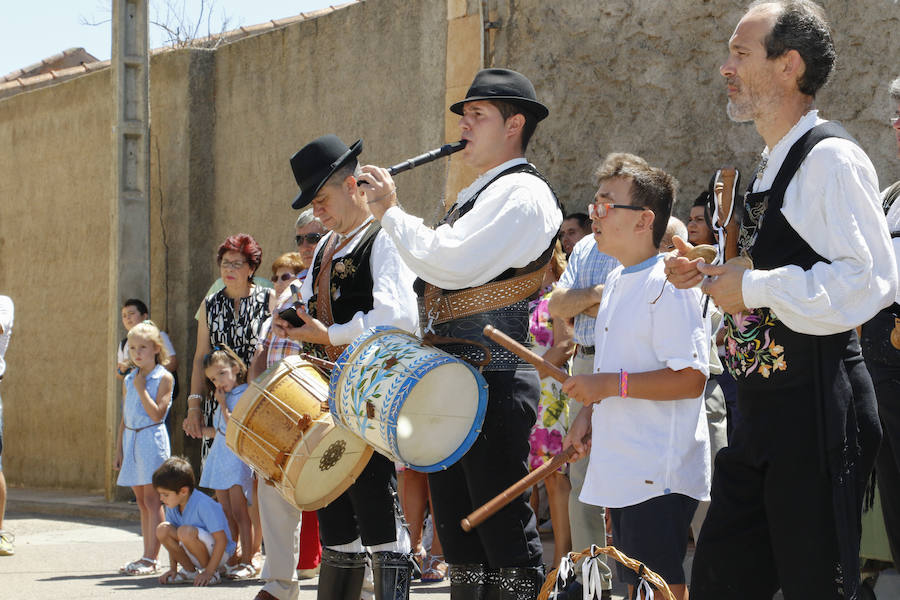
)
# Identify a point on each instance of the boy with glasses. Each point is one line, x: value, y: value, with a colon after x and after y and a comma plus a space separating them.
x: 643, y: 404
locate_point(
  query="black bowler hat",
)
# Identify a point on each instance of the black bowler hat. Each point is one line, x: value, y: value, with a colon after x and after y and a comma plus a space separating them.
x: 315, y: 162
x: 503, y: 84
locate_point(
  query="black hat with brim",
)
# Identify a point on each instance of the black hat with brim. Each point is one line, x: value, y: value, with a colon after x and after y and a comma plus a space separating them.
x: 315, y: 162
x: 506, y: 85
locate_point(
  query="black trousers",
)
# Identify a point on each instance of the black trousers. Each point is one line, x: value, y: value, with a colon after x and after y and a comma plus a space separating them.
x: 365, y: 510
x: 887, y: 469
x: 497, y: 459
x: 771, y: 522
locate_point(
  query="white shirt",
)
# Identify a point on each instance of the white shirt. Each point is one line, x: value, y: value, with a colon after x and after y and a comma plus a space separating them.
x: 833, y: 204
x: 512, y: 223
x: 6, y: 325
x: 893, y: 221
x: 394, y: 301
x: 643, y: 448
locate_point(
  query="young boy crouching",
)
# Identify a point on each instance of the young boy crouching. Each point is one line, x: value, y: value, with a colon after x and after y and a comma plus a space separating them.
x: 195, y: 531
x: 643, y: 405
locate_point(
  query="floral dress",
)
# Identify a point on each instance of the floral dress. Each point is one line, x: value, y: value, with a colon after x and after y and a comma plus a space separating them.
x: 553, y: 408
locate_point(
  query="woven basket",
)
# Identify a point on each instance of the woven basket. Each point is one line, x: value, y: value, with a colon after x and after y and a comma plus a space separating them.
x: 632, y: 564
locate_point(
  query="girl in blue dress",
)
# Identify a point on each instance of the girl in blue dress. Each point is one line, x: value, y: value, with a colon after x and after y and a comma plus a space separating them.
x: 224, y: 472
x: 143, y: 443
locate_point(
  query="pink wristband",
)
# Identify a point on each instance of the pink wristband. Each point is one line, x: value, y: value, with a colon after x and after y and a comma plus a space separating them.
x: 623, y: 383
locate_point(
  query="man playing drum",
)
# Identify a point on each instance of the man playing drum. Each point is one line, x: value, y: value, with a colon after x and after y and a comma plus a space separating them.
x: 356, y: 281
x: 787, y: 492
x: 489, y: 253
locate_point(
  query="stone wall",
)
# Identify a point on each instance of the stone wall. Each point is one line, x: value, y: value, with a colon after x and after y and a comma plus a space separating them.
x: 642, y: 77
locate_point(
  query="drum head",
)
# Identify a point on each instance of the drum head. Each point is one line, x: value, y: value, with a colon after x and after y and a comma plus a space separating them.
x: 325, y: 463
x: 441, y: 417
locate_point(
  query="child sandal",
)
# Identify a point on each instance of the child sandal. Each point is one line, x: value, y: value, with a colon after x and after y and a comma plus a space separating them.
x: 144, y: 566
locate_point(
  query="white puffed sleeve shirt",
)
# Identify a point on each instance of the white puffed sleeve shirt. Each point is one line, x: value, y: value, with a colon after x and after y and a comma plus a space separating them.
x: 394, y: 301
x: 512, y: 223
x: 832, y: 202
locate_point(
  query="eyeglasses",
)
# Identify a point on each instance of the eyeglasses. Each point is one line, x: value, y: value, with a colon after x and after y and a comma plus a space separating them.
x: 598, y: 210
x: 227, y: 264
x: 284, y: 277
x: 309, y: 238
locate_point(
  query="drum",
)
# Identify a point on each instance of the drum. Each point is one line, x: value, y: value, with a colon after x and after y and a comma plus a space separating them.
x: 415, y: 404
x: 281, y: 427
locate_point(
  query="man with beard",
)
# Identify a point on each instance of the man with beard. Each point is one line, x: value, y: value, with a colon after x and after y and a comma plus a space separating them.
x: 787, y: 493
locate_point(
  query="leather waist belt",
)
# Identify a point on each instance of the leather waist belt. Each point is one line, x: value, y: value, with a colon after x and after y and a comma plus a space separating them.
x: 438, y: 306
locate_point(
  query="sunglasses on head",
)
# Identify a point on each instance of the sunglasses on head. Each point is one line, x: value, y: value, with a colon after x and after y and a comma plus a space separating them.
x: 284, y: 277
x: 309, y: 238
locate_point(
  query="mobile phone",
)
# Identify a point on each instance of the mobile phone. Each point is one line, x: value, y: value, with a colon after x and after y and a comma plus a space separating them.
x: 290, y: 315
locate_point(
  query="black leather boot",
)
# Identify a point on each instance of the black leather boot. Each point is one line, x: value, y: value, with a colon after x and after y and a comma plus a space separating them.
x: 491, y: 583
x: 341, y: 575
x: 467, y: 582
x: 521, y: 583
x: 392, y: 572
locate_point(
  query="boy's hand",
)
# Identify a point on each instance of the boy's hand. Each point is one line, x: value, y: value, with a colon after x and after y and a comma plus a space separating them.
x: 203, y: 577
x: 589, y: 389
x: 165, y: 577
x: 579, y: 428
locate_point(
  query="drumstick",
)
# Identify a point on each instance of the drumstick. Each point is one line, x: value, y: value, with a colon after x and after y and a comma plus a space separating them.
x: 479, y: 515
x: 317, y: 362
x: 546, y: 369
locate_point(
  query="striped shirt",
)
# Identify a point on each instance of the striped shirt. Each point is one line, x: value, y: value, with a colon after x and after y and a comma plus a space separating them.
x: 587, y: 267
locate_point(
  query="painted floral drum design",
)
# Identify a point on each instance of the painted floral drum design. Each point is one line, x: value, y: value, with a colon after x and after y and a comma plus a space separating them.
x: 281, y: 427
x: 415, y: 404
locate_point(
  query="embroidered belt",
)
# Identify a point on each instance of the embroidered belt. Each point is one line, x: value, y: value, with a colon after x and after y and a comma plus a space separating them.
x: 438, y: 306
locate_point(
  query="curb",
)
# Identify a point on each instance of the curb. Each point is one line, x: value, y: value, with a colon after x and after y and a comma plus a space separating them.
x: 65, y: 504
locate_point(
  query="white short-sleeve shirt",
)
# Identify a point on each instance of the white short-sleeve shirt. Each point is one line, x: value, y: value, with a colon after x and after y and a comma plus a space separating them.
x: 642, y: 449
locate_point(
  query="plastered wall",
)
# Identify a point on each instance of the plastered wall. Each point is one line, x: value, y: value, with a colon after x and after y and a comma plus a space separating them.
x: 55, y: 186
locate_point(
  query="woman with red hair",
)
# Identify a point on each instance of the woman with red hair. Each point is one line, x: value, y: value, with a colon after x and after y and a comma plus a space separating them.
x: 233, y: 317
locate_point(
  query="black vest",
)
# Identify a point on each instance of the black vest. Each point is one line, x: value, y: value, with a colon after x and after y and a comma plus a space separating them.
x: 511, y: 319
x: 351, y: 279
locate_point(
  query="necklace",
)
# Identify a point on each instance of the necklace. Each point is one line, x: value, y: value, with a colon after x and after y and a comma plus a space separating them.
x: 762, y: 167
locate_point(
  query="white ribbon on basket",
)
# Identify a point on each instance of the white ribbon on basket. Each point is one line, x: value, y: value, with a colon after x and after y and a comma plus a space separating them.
x: 644, y: 586
x: 565, y: 570
x: 590, y: 574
